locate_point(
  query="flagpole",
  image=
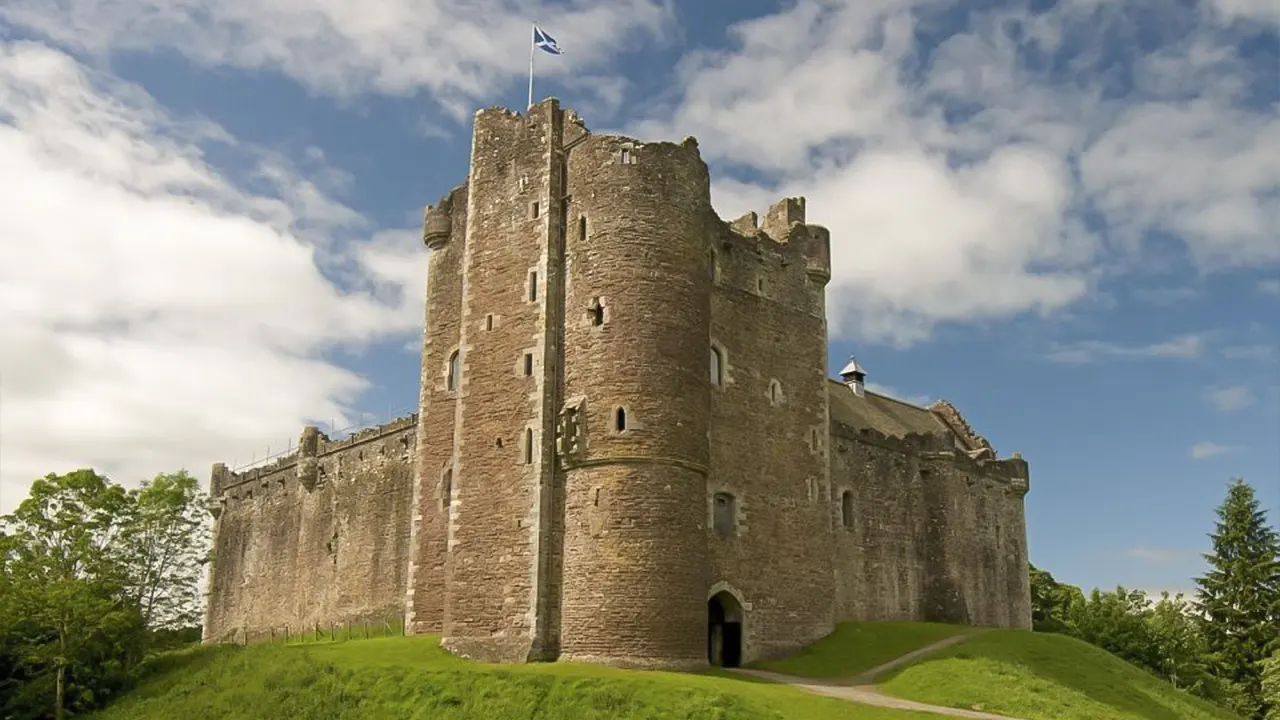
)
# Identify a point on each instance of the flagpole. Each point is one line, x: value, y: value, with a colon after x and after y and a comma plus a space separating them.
x: 531, y: 49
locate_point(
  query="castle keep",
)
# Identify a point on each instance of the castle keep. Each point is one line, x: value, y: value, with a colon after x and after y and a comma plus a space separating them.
x: 627, y: 449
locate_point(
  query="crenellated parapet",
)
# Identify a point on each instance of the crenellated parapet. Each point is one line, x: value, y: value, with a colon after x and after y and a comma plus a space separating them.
x: 307, y: 463
x: 780, y: 259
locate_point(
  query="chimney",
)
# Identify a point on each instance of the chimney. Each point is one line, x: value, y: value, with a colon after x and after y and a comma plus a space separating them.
x: 854, y: 376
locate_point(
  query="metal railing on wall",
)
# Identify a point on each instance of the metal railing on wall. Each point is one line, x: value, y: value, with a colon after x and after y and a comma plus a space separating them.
x: 366, y: 421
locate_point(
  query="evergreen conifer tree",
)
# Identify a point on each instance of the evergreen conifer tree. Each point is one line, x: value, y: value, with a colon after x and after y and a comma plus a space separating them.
x: 1240, y: 599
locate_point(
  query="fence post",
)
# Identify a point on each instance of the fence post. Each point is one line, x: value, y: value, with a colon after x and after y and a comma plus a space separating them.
x: 286, y: 634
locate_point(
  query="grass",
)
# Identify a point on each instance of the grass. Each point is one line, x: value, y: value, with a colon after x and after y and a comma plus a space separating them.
x: 1041, y: 676
x: 413, y: 678
x: 856, y: 647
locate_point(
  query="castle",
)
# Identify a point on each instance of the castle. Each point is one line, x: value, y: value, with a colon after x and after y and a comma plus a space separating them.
x: 628, y: 450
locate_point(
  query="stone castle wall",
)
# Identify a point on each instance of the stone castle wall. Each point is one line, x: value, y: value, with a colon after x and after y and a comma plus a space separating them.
x: 769, y: 428
x: 935, y: 535
x: 319, y: 536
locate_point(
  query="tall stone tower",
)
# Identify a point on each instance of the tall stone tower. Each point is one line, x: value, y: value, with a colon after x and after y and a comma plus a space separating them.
x: 563, y: 446
x: 637, y: 331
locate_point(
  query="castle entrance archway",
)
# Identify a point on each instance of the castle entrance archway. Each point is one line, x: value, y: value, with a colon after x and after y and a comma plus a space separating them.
x: 724, y: 630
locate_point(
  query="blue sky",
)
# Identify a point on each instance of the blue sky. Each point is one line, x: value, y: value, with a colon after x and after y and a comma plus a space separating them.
x: 1061, y: 216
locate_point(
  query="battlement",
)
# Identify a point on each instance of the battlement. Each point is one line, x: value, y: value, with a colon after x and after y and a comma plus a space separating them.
x: 313, y: 447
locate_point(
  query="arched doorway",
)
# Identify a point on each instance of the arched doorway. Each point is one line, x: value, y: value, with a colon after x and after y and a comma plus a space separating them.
x: 724, y: 630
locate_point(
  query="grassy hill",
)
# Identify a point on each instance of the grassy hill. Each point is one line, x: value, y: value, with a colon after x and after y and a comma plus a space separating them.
x: 412, y: 677
x: 1029, y: 675
x: 1041, y: 676
x: 856, y: 647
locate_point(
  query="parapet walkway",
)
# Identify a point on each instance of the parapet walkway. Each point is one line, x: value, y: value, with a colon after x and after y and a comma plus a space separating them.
x: 861, y: 688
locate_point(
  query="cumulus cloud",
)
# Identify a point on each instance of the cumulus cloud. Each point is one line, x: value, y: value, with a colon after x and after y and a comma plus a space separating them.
x: 956, y: 165
x: 459, y: 50
x: 153, y: 314
x: 1089, y: 351
x: 1230, y: 398
x: 1206, y: 450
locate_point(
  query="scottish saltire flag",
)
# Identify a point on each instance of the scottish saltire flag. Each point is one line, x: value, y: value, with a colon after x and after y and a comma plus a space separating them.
x: 545, y: 42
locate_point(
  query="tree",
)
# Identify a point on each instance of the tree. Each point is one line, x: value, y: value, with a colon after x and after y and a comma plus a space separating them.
x: 1178, y: 645
x: 1240, y: 598
x: 166, y: 538
x: 64, y: 581
x: 1271, y: 686
x: 91, y: 576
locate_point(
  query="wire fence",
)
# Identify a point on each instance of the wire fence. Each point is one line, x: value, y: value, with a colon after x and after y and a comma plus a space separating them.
x: 322, y: 632
x: 364, y: 422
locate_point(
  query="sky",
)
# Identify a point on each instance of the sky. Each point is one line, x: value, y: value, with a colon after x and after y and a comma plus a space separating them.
x: 1064, y: 217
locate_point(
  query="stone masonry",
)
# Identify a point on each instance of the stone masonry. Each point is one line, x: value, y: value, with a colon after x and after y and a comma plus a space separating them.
x: 627, y: 449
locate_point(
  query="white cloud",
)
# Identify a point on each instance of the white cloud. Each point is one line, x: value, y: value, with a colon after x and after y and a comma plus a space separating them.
x: 1163, y: 556
x: 152, y: 314
x: 1269, y: 287
x: 1267, y: 11
x: 1248, y: 352
x: 1198, y: 169
x: 459, y: 50
x: 953, y: 177
x: 1206, y: 450
x: 1088, y: 351
x: 909, y: 398
x: 1230, y: 398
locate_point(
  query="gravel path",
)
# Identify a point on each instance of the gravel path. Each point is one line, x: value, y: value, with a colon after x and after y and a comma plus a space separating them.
x: 861, y: 687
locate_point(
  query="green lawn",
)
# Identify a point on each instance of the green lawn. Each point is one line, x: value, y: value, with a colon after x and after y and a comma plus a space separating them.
x: 413, y: 678
x: 1042, y: 676
x: 858, y: 646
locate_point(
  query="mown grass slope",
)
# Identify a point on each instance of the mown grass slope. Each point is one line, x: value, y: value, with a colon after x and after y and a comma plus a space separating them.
x: 413, y: 678
x: 856, y: 647
x: 1042, y: 676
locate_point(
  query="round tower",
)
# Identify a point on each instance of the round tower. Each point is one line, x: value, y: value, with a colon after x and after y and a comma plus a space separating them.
x: 636, y: 395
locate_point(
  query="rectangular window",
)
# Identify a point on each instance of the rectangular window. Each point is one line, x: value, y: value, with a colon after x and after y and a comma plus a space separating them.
x: 528, y: 364
x: 723, y: 512
x: 528, y: 446
x: 582, y: 229
x: 533, y: 210
x: 533, y: 286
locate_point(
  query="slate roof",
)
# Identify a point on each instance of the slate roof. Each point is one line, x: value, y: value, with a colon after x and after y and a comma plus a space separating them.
x: 880, y: 412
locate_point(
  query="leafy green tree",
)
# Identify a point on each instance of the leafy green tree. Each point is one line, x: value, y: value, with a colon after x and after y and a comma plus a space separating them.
x: 166, y: 538
x: 1240, y: 598
x: 1117, y: 622
x: 1051, y: 602
x: 65, y: 581
x: 1271, y: 686
x: 1178, y: 646
x: 91, y: 576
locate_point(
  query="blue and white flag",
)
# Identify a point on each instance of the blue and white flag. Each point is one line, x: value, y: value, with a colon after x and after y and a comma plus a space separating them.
x: 544, y: 41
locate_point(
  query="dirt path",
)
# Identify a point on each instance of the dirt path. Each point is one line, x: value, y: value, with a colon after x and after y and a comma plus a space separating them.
x: 861, y: 688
